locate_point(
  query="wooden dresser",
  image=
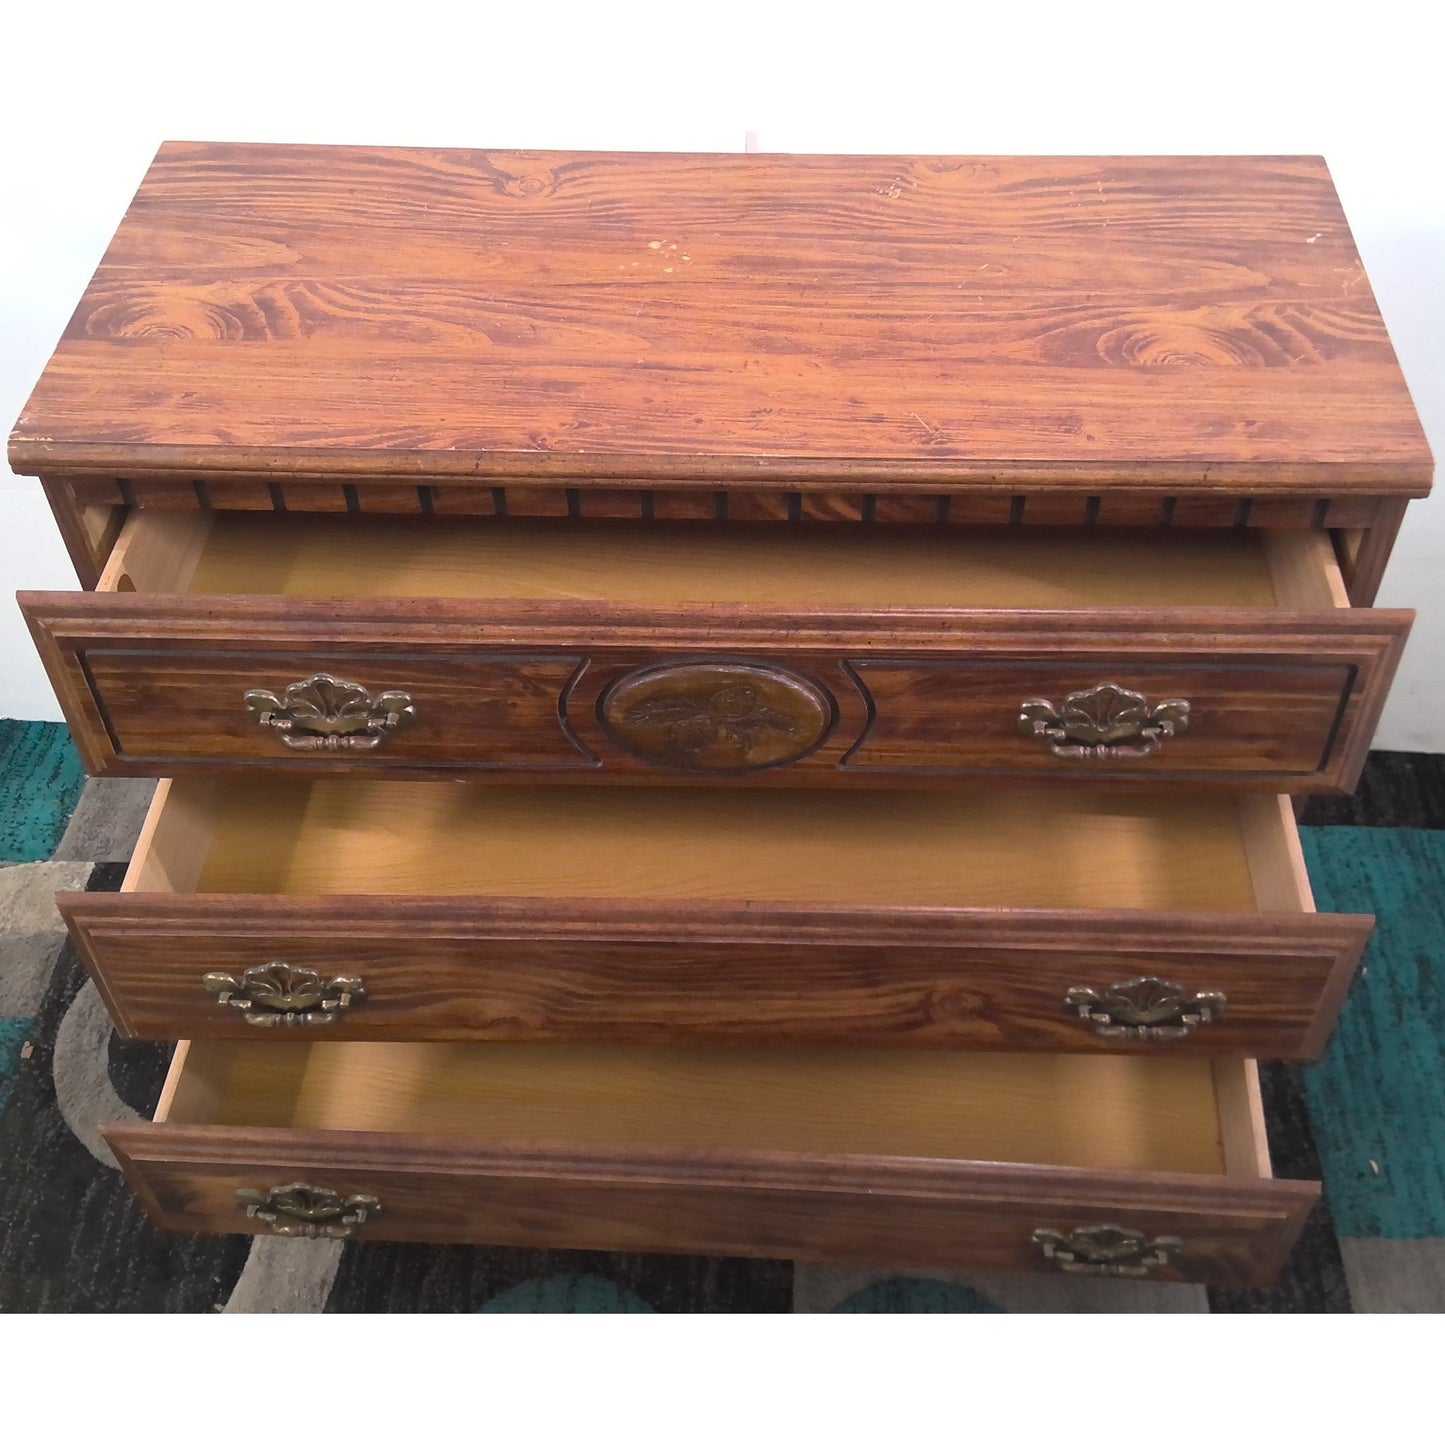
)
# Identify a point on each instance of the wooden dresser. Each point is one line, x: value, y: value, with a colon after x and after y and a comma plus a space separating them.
x: 738, y: 704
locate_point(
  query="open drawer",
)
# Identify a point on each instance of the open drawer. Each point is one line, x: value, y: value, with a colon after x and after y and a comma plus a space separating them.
x: 1134, y: 1167
x: 1011, y: 919
x: 571, y: 651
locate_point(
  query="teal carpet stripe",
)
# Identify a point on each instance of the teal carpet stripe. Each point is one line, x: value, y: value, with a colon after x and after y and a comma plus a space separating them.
x: 1377, y: 1098
x: 13, y: 1033
x: 40, y: 780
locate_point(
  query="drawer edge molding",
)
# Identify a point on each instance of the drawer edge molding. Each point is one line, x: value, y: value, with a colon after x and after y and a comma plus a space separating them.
x: 218, y: 619
x: 524, y: 969
x: 962, y: 1214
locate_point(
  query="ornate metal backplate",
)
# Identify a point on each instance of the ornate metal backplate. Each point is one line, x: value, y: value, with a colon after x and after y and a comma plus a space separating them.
x: 325, y: 714
x: 308, y: 1211
x: 1145, y: 1008
x: 279, y: 994
x: 1108, y: 1250
x: 1107, y: 721
x: 716, y: 717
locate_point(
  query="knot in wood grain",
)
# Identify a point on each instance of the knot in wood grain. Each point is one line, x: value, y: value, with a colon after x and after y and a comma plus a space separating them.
x: 1182, y: 344
x: 164, y: 318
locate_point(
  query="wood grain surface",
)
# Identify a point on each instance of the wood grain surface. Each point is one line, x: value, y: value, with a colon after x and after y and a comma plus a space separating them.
x: 1281, y: 699
x: 888, y: 1211
x: 672, y: 564
x: 979, y: 504
x: 958, y: 921
x: 1189, y: 324
x: 818, y: 1156
x: 1159, y: 1114
x: 1036, y: 846
x: 564, y: 969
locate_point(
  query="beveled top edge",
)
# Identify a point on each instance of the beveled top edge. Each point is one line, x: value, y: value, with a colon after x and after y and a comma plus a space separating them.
x: 30, y: 456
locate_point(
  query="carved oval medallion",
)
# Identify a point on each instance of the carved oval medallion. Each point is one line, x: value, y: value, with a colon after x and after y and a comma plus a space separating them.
x: 716, y: 717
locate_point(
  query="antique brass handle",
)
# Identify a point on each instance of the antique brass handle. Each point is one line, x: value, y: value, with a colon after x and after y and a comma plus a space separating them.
x: 1108, y: 1251
x: 324, y: 714
x: 308, y: 1211
x: 278, y: 995
x: 1147, y: 1008
x: 1103, y: 722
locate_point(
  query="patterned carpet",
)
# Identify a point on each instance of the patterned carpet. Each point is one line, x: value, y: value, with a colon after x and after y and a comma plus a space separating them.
x: 1369, y: 1118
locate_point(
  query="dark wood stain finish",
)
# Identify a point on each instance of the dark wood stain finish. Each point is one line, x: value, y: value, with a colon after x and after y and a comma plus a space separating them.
x: 715, y: 716
x: 152, y: 685
x: 978, y: 505
x: 897, y: 1211
x: 628, y: 971
x: 90, y: 511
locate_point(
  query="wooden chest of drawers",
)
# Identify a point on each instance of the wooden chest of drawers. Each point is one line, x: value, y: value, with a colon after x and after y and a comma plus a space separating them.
x: 954, y: 564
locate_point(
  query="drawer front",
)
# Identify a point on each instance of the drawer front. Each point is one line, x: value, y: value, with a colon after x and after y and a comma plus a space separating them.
x: 238, y: 966
x: 911, y: 1213
x: 471, y: 709
x: 558, y: 692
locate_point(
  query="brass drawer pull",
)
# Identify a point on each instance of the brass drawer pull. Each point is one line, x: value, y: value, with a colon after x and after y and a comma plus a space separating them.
x: 308, y: 1211
x: 1108, y: 1251
x: 324, y: 714
x: 277, y: 995
x: 1148, y: 1008
x: 1106, y: 722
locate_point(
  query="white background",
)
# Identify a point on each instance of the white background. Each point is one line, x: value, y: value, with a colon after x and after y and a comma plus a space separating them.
x: 88, y: 93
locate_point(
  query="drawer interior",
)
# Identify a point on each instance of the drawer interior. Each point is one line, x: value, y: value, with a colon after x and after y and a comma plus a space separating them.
x: 1033, y: 847
x: 663, y: 564
x: 1137, y: 1114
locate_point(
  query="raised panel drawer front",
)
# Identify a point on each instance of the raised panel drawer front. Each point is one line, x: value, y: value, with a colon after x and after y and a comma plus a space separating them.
x: 1013, y: 919
x: 659, y: 652
x: 1135, y: 1168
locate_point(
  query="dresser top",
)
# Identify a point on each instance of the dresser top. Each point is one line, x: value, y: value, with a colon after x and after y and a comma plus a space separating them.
x: 557, y: 318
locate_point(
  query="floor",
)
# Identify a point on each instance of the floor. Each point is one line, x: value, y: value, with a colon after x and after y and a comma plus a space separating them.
x: 1369, y: 1118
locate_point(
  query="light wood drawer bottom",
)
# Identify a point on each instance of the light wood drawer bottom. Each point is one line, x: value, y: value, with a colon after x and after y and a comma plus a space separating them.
x: 908, y: 1159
